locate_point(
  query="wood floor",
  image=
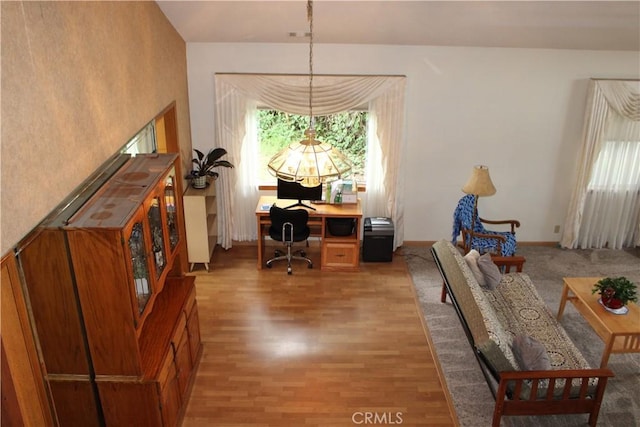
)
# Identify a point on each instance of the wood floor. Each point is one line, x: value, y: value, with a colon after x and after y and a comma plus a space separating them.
x: 312, y: 349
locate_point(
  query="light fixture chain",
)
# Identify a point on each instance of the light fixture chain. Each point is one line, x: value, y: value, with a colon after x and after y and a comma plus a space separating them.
x: 310, y: 18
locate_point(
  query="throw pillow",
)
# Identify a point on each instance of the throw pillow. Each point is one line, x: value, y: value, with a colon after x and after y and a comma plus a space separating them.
x: 530, y: 354
x: 472, y: 261
x: 490, y: 270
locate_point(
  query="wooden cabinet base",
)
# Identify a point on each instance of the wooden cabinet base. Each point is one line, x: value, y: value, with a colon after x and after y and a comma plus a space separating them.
x: 76, y: 402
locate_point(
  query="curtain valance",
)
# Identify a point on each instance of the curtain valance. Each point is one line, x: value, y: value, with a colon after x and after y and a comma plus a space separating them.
x: 623, y: 96
x: 290, y: 93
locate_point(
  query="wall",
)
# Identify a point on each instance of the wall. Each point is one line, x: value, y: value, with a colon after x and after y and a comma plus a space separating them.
x: 79, y: 79
x: 519, y: 111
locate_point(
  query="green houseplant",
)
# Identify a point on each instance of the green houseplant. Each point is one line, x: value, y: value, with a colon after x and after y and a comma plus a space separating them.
x: 616, y: 292
x: 204, y: 165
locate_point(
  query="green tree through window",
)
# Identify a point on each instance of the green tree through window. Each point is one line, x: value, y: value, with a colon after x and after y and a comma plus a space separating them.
x: 346, y: 131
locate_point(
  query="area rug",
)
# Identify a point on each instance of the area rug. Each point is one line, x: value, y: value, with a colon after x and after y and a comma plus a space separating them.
x: 546, y: 266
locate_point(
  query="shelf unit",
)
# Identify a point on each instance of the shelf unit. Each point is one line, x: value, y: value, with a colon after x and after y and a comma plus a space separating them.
x: 114, y: 310
x: 201, y: 223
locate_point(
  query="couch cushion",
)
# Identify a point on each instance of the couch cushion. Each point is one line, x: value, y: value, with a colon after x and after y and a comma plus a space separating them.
x: 490, y: 271
x: 489, y: 322
x: 458, y: 284
x: 494, y: 355
x: 522, y: 311
x: 530, y: 354
x: 472, y: 261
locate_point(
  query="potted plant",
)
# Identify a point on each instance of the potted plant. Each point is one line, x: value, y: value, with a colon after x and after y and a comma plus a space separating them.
x: 615, y: 292
x: 204, y: 165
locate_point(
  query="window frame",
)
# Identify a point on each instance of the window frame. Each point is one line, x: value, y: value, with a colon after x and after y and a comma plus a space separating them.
x: 361, y: 186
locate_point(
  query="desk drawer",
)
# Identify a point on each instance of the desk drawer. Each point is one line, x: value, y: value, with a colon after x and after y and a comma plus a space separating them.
x: 340, y: 255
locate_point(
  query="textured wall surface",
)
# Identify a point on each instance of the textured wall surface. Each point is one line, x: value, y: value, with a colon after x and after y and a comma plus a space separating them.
x: 79, y: 79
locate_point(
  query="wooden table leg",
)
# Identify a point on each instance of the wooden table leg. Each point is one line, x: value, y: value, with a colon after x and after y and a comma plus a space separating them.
x: 608, y: 346
x: 563, y: 300
x: 260, y: 245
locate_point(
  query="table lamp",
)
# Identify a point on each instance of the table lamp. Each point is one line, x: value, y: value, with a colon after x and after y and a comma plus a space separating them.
x: 479, y: 184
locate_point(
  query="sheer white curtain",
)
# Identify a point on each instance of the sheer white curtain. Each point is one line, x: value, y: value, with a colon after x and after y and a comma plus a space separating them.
x: 605, y: 206
x: 386, y: 128
x: 236, y: 197
x: 236, y: 97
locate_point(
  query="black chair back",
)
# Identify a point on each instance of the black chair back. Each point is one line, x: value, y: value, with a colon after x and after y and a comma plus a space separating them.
x: 297, y: 217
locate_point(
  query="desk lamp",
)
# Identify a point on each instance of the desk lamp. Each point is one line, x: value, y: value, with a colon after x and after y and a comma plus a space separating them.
x: 479, y: 184
x: 309, y: 162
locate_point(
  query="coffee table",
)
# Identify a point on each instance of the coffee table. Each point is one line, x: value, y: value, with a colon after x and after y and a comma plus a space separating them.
x: 619, y: 332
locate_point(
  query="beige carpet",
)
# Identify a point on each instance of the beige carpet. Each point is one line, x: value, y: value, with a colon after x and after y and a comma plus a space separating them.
x: 546, y: 266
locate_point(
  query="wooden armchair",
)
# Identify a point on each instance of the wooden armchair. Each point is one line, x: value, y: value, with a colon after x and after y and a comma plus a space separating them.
x: 479, y: 238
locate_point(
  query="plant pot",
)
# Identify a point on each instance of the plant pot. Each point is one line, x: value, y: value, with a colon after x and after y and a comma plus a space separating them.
x: 608, y: 300
x: 199, y: 182
x: 612, y: 303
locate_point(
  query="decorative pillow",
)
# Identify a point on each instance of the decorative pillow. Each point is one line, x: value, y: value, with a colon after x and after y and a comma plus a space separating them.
x: 530, y: 354
x: 490, y: 270
x: 472, y: 261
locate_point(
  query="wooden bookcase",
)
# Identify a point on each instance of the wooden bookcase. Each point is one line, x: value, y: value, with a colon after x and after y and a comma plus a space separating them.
x: 114, y: 310
x: 201, y: 222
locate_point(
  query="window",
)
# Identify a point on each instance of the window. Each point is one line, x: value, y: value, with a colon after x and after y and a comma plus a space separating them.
x: 346, y: 131
x: 617, y: 167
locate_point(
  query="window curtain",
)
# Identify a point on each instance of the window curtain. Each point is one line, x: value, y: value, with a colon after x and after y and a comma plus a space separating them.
x: 383, y: 197
x: 599, y: 214
x: 236, y: 98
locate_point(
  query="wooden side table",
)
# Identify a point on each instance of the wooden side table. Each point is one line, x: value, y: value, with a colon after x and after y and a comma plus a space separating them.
x: 619, y: 332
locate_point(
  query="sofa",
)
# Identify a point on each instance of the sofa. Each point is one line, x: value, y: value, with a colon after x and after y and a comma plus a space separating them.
x: 529, y: 362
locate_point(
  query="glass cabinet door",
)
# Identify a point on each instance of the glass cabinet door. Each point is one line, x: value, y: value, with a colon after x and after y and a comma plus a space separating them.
x: 170, y: 208
x: 138, y: 253
x: 154, y: 216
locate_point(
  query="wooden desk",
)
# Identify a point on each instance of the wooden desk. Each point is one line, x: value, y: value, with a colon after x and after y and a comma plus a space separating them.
x: 620, y: 333
x: 338, y: 253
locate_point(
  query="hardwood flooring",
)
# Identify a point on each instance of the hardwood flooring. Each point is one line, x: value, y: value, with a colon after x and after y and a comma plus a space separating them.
x: 314, y: 348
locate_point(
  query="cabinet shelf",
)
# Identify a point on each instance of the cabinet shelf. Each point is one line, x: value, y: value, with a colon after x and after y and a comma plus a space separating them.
x: 201, y: 222
x: 158, y: 329
x: 212, y: 225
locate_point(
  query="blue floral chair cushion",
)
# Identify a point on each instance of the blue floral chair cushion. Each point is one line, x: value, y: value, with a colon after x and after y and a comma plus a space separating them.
x: 488, y: 240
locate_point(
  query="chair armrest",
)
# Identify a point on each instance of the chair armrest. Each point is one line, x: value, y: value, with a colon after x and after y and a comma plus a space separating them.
x: 467, y: 231
x: 531, y: 379
x: 513, y: 222
x: 535, y: 392
x: 505, y: 263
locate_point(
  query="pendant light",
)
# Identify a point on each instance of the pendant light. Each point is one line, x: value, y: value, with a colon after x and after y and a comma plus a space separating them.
x: 309, y: 162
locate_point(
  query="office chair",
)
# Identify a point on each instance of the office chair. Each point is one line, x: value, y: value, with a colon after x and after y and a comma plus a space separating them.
x: 288, y: 226
x: 479, y: 238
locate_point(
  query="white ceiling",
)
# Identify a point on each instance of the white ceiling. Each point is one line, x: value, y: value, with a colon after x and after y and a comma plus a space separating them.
x: 596, y: 25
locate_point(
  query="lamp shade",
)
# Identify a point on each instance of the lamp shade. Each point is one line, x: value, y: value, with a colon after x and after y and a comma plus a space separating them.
x: 479, y: 183
x: 309, y: 162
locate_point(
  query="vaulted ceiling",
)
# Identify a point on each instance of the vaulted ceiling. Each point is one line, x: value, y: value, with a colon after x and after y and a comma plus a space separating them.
x: 593, y: 25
